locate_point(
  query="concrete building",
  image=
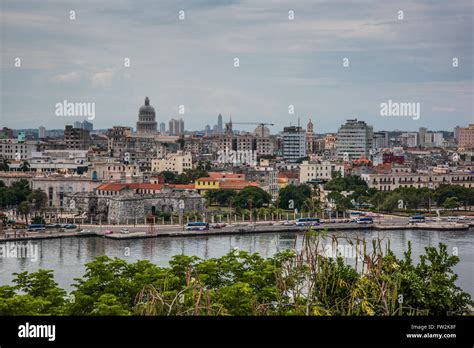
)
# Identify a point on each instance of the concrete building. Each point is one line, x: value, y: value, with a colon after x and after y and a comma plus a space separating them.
x: 14, y: 150
x: 466, y: 137
x: 354, y: 140
x: 162, y: 128
x: 294, y: 143
x: 220, y: 128
x: 176, y: 127
x: 174, y: 162
x: 41, y: 132
x: 76, y: 138
x: 422, y: 136
x: 57, y: 186
x: 392, y: 181
x: 313, y: 172
x: 381, y: 140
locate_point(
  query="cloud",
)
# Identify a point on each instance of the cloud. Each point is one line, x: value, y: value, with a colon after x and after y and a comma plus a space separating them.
x: 103, y: 79
x: 67, y: 77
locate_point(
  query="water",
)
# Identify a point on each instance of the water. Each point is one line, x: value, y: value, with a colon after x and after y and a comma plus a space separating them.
x: 68, y: 256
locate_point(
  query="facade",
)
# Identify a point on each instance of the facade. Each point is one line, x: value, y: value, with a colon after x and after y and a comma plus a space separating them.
x: 381, y: 140
x: 57, y: 186
x: 174, y: 162
x: 392, y: 181
x: 41, y: 132
x: 146, y: 119
x: 319, y: 171
x: 422, y: 136
x: 76, y: 138
x: 294, y: 143
x: 176, y: 127
x: 354, y: 140
x: 15, y: 150
x: 466, y: 137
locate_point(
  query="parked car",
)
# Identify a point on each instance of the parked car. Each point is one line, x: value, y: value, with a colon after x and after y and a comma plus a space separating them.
x: 124, y: 231
x: 108, y: 232
x: 70, y: 226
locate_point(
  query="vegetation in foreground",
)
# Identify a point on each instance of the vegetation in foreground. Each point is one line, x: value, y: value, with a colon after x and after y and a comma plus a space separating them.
x: 307, y: 282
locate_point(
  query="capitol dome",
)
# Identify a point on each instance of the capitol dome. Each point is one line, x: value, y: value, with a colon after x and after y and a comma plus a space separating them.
x: 146, y: 118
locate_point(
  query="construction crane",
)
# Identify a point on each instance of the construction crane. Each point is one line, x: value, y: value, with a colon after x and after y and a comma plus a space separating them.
x: 261, y: 124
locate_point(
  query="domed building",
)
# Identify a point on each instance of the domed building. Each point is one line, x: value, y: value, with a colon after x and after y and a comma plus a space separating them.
x: 146, y: 119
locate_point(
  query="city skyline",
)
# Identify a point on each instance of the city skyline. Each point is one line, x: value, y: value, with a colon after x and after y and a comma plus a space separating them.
x: 283, y: 62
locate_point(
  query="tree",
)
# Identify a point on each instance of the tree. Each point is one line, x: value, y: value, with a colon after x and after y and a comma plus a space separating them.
x: 24, y: 166
x: 451, y: 203
x: 251, y: 197
x: 4, y: 164
x: 222, y: 197
x: 38, y: 200
x: 291, y: 196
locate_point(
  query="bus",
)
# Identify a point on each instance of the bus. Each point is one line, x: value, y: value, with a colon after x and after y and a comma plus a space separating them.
x: 307, y: 222
x: 36, y: 227
x: 365, y: 220
x: 197, y: 226
x: 416, y: 218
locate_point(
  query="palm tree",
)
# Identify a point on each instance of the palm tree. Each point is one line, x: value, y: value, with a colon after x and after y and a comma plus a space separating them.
x: 5, y: 165
x: 25, y: 166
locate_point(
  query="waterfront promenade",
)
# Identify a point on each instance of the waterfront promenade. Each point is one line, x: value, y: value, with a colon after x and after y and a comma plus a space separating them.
x: 153, y: 231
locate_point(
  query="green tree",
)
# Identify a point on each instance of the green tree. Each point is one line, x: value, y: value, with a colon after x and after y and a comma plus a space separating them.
x: 251, y: 197
x: 293, y: 196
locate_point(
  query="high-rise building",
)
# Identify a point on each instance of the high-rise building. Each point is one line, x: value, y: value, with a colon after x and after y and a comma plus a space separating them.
x: 354, y: 140
x: 77, y: 124
x: 76, y: 138
x: 87, y: 125
x: 456, y: 133
x: 381, y: 140
x: 294, y: 143
x: 438, y: 139
x: 176, y: 127
x: 162, y: 127
x: 220, y: 129
x: 146, y: 118
x: 466, y: 137
x: 422, y: 136
x: 41, y: 132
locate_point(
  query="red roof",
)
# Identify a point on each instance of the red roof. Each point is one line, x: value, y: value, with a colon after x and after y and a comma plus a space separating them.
x: 111, y: 187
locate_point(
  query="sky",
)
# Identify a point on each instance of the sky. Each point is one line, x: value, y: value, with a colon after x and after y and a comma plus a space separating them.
x: 405, y: 57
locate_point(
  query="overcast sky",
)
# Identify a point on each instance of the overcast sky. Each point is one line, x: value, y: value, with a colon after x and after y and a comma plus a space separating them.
x: 283, y: 62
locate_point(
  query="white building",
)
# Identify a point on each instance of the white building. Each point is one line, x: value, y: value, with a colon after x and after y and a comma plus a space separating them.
x: 174, y: 162
x: 294, y: 143
x: 354, y: 140
x: 319, y: 171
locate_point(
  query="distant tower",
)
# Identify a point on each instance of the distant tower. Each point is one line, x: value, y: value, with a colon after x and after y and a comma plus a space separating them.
x: 162, y: 127
x: 219, y: 124
x: 228, y: 128
x: 310, y: 139
x: 41, y: 132
x: 146, y: 118
x: 310, y: 127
